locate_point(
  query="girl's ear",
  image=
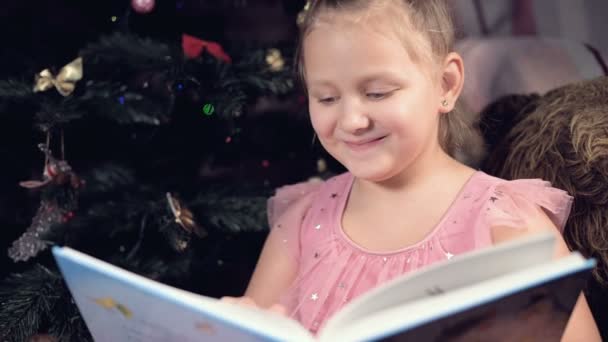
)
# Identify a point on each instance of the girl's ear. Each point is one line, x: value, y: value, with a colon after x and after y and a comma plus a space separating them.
x: 452, y: 80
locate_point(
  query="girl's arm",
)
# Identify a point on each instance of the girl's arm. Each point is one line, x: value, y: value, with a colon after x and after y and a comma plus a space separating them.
x: 274, y: 272
x: 277, y: 265
x: 581, y: 325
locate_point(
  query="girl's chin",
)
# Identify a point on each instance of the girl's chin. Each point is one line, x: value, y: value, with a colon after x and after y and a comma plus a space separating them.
x: 373, y: 174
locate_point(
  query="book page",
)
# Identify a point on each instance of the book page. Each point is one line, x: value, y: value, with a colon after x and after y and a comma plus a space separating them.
x: 447, y: 276
x: 118, y: 305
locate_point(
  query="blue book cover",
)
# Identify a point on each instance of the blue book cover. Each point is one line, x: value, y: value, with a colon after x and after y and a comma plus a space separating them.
x: 118, y: 305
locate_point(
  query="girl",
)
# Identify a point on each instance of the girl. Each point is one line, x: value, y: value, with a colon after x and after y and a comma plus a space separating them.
x: 382, y: 84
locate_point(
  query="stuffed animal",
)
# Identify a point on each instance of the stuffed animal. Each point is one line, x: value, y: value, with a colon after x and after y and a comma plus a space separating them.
x: 561, y: 137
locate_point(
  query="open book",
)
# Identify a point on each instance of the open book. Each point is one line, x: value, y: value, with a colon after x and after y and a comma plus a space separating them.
x: 514, y: 289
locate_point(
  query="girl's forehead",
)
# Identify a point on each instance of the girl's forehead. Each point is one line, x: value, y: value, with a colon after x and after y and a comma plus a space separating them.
x: 351, y: 32
x: 363, y: 12
x: 345, y: 20
x: 361, y: 59
x: 396, y: 38
x: 353, y: 42
x: 377, y: 14
x: 358, y: 54
x: 388, y: 28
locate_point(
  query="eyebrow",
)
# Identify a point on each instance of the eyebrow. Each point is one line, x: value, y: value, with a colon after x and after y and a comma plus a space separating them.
x: 362, y: 80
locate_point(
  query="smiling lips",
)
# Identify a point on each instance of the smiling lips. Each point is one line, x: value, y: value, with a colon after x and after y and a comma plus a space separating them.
x: 364, y: 144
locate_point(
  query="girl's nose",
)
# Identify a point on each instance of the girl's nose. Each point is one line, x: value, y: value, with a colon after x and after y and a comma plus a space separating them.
x: 354, y: 118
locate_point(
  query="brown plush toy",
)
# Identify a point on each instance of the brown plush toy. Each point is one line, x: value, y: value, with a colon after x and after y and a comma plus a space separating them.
x: 561, y: 137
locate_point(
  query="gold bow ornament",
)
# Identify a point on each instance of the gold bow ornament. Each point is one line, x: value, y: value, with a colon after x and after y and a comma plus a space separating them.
x: 65, y: 81
x: 274, y: 59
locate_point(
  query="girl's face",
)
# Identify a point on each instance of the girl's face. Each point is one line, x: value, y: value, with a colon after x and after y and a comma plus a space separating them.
x: 372, y: 107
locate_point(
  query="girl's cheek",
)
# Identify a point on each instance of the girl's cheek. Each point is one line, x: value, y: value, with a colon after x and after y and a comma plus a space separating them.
x: 321, y: 129
x: 320, y: 120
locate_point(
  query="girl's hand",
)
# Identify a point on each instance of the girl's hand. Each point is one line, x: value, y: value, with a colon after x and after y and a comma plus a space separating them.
x: 247, y: 301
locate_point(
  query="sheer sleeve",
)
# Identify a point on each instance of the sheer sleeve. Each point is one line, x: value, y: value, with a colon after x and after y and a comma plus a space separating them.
x: 286, y: 211
x: 514, y: 203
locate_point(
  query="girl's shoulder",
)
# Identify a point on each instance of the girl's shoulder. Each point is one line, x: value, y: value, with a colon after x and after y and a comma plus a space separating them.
x: 533, y: 189
x: 509, y: 202
x: 288, y: 208
x: 299, y: 197
x: 487, y: 202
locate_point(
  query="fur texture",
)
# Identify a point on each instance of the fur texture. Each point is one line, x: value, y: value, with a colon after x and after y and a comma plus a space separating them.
x: 561, y: 137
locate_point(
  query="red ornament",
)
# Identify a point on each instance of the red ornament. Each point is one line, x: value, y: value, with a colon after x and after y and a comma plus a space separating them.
x: 143, y: 6
x: 193, y: 47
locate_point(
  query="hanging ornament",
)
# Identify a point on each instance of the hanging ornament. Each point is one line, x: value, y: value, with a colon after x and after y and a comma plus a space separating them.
x: 32, y: 241
x: 57, y: 172
x: 184, y: 217
x: 193, y: 48
x: 180, y: 238
x: 58, y: 201
x: 143, y: 6
x: 275, y: 60
x: 65, y: 81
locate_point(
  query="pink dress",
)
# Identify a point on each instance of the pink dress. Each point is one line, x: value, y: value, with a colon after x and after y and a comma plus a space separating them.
x: 332, y: 269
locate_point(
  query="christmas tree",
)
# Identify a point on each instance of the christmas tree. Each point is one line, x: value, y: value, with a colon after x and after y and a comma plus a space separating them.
x: 152, y: 149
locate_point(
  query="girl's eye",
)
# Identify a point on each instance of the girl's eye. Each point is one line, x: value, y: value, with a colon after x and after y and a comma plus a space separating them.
x: 373, y: 96
x: 377, y: 96
x: 327, y: 100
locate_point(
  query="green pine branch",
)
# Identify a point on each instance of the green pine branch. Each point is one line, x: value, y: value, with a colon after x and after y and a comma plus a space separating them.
x: 126, y: 53
x: 27, y: 300
x: 15, y: 90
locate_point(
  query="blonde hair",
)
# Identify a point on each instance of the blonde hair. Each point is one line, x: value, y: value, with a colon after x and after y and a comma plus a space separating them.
x: 433, y: 40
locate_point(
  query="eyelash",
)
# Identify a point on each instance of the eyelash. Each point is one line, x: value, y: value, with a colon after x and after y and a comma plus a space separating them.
x: 380, y: 97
